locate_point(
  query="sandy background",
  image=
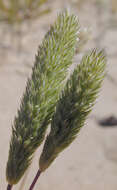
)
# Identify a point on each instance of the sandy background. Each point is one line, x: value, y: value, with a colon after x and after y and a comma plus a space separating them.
x: 90, y: 163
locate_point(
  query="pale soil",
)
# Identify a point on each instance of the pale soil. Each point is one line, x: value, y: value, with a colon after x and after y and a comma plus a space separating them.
x: 90, y: 163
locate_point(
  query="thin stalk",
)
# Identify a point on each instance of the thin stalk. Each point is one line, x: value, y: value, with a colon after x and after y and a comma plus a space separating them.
x: 35, y: 180
x: 9, y: 187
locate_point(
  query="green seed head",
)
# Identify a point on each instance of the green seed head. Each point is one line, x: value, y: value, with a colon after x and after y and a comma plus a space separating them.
x: 42, y: 92
x: 73, y: 106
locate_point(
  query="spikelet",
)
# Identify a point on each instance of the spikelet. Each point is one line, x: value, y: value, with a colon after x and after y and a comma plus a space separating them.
x: 74, y: 105
x: 42, y: 92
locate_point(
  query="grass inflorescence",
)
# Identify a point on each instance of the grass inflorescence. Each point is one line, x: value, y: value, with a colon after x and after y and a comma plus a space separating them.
x: 54, y: 56
x: 51, y: 99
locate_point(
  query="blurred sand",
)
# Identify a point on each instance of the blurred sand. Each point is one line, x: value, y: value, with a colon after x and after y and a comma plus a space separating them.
x: 91, y: 161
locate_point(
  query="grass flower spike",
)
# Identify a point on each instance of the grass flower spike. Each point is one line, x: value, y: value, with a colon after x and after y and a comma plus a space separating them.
x: 74, y: 105
x: 42, y: 92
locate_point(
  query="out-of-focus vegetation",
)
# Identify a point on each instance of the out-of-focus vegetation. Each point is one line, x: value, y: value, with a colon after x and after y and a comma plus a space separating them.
x: 111, y: 3
x: 114, y: 5
x: 16, y: 11
x: 84, y: 36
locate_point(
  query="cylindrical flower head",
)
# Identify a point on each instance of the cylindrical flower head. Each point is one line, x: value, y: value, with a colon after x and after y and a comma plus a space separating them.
x: 74, y: 105
x: 42, y: 91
